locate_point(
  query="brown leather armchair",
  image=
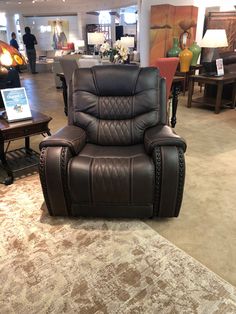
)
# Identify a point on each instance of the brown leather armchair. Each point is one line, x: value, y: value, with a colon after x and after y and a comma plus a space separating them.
x: 116, y: 157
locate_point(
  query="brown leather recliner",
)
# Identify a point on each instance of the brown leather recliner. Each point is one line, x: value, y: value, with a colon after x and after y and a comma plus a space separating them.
x: 117, y: 157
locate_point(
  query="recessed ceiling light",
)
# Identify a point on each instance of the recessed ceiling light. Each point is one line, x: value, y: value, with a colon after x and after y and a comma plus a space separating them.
x: 19, y: 2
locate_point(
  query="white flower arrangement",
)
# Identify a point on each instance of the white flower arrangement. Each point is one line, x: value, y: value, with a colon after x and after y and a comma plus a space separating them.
x: 105, y: 49
x: 120, y: 52
x: 117, y: 54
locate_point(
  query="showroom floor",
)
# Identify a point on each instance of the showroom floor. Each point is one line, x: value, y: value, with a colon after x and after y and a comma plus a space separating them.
x: 205, y: 228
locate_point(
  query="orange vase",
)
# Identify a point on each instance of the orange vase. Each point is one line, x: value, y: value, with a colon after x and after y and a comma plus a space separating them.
x: 185, y: 58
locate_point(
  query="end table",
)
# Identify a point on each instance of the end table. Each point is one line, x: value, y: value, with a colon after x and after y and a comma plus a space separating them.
x: 23, y: 129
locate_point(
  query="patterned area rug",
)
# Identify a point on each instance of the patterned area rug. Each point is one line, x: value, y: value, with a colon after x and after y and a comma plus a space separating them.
x: 57, y: 265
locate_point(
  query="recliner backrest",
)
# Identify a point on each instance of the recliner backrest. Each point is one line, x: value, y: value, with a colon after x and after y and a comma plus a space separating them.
x: 115, y: 104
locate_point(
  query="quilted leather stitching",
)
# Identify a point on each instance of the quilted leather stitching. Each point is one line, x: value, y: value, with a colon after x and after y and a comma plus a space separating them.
x: 115, y: 107
x: 117, y: 132
x: 111, y: 177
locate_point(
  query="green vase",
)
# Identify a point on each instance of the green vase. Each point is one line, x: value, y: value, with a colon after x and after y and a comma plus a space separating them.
x: 175, y: 50
x: 196, y: 50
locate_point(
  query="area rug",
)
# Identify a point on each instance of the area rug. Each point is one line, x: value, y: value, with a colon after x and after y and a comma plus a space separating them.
x: 58, y: 265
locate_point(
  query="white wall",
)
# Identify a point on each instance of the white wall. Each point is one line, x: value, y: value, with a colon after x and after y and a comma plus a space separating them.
x: 144, y: 17
x: 45, y: 39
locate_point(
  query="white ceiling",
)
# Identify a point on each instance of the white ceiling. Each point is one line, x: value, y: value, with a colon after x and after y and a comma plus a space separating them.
x: 46, y: 7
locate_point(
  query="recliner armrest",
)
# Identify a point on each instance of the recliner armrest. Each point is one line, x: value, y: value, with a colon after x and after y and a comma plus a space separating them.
x: 162, y: 135
x: 70, y: 136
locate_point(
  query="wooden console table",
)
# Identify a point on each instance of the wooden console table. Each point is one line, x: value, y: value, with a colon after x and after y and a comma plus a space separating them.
x: 23, y: 129
x: 219, y: 81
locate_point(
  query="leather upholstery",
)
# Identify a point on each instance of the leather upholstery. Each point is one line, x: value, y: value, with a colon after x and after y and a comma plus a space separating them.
x: 111, y: 175
x: 120, y: 115
x: 116, y: 158
x: 69, y: 136
x: 162, y: 135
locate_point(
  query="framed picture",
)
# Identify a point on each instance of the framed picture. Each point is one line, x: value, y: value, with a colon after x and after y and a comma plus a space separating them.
x: 219, y: 67
x: 16, y: 104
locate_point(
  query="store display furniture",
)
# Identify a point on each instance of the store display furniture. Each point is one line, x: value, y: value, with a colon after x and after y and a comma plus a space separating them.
x: 117, y: 157
x: 219, y: 82
x: 16, y: 130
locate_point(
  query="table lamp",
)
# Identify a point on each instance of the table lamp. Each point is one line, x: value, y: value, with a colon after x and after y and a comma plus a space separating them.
x: 9, y: 57
x: 80, y: 45
x: 96, y: 39
x: 213, y: 39
x: 127, y: 41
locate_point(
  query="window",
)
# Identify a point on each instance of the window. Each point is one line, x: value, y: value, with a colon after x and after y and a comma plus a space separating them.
x: 3, y: 20
x: 104, y: 17
x: 130, y: 18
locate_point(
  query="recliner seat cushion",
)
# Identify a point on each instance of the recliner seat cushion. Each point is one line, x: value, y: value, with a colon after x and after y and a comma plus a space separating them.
x: 112, y: 175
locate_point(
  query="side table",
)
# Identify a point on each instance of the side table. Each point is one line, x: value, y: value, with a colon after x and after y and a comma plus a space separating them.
x: 219, y: 81
x: 23, y: 129
x: 186, y: 75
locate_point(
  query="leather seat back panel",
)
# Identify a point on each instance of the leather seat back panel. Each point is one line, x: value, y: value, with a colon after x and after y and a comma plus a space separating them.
x: 113, y: 110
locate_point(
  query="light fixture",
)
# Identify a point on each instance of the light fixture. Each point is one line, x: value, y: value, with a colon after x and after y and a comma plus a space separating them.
x: 127, y: 41
x: 80, y: 45
x: 213, y: 39
x: 95, y: 38
x: 9, y: 56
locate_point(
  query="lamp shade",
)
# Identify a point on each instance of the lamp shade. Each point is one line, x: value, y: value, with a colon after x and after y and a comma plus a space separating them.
x: 127, y: 41
x: 214, y: 38
x: 9, y: 56
x: 95, y: 38
x: 80, y: 43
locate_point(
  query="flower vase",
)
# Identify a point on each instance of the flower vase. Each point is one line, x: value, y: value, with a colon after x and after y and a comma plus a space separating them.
x: 175, y: 50
x: 185, y: 58
x: 196, y: 50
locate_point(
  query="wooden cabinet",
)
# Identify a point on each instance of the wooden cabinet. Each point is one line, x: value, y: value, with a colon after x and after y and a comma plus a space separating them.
x: 223, y: 20
x: 165, y: 21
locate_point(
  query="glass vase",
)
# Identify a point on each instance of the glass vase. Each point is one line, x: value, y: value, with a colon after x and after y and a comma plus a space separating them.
x: 196, y: 50
x: 175, y: 50
x: 185, y: 58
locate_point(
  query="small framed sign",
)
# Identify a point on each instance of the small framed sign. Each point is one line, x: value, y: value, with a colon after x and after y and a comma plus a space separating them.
x: 219, y: 67
x: 16, y: 104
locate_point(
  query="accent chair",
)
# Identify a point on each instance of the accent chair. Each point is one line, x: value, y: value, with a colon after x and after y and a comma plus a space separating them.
x: 117, y: 157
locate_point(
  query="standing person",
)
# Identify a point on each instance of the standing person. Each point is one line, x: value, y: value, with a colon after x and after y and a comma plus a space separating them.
x: 13, y: 41
x: 29, y: 41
